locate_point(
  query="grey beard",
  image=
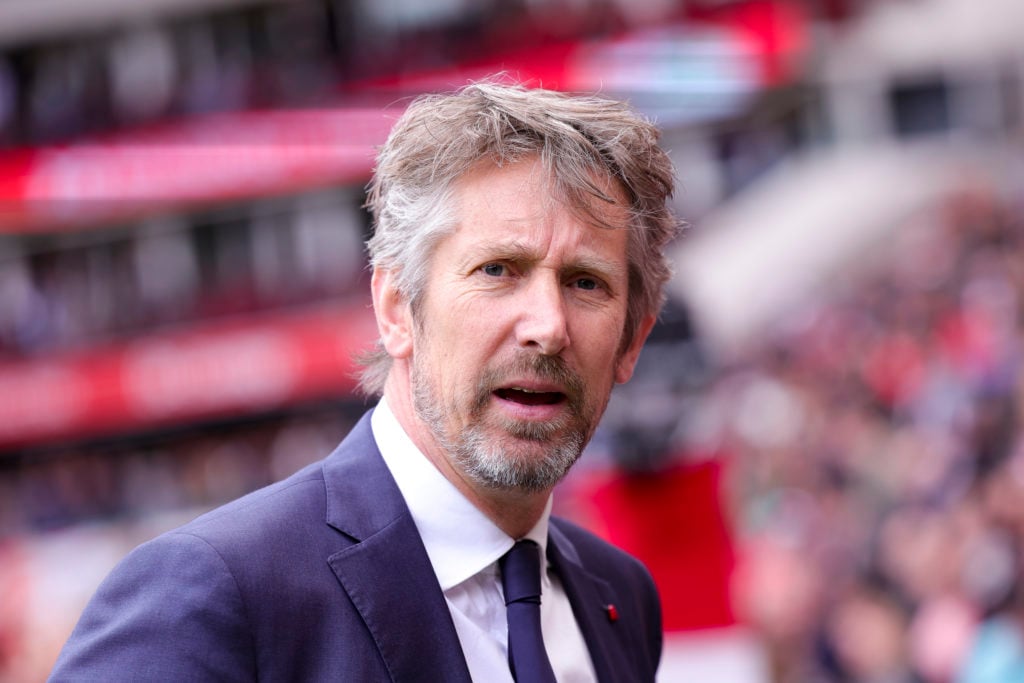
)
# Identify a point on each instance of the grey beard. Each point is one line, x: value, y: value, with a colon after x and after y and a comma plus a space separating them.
x: 494, y: 467
x: 514, y: 467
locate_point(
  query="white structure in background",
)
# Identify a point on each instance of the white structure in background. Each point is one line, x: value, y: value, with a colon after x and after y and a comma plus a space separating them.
x: 777, y: 243
x: 912, y: 95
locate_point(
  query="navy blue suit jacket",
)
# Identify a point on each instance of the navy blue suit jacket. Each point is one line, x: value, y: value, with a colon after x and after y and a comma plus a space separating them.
x: 323, y: 576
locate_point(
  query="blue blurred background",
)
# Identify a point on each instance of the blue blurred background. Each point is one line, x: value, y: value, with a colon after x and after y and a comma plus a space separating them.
x: 820, y: 457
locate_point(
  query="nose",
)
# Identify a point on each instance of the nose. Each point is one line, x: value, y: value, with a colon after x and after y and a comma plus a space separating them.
x: 543, y: 322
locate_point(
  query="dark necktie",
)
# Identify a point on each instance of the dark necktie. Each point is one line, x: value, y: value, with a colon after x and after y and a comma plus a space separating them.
x: 520, y: 579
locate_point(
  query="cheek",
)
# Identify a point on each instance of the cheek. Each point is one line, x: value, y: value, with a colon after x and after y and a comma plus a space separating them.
x: 453, y: 359
x: 600, y: 337
x: 613, y: 366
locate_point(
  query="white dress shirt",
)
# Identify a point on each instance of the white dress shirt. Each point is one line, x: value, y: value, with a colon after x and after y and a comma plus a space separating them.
x: 464, y: 547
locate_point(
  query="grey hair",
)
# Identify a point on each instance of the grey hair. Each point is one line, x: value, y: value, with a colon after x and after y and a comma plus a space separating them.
x: 577, y: 138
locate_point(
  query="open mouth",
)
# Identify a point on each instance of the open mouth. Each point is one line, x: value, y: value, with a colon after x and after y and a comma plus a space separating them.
x: 530, y: 398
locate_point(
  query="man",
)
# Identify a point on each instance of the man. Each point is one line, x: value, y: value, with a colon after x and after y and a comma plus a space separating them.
x: 517, y: 269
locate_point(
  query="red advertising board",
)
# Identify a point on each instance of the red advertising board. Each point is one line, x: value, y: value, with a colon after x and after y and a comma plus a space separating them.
x: 244, y: 365
x: 215, y: 158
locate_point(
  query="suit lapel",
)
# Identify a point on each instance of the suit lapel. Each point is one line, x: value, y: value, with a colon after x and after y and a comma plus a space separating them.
x: 590, y: 596
x: 386, y: 572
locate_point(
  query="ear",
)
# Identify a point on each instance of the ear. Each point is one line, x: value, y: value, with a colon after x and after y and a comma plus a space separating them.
x: 394, y: 319
x: 626, y: 362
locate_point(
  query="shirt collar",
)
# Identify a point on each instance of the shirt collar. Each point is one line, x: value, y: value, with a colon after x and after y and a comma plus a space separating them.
x: 460, y: 540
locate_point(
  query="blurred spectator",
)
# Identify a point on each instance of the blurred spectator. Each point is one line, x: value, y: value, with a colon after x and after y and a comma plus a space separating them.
x: 878, y: 462
x: 160, y: 473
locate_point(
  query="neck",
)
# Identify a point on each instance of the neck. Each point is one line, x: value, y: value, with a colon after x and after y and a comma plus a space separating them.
x: 513, y: 511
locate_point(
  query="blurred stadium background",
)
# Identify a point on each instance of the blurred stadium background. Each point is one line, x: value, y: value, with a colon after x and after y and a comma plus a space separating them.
x: 820, y: 457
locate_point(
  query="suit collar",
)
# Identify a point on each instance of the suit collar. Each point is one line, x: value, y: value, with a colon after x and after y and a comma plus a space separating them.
x: 444, y: 517
x: 361, y: 495
x: 590, y: 597
x: 386, y: 571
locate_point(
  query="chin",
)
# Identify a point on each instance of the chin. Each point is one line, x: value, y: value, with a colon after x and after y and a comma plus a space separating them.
x: 516, y: 464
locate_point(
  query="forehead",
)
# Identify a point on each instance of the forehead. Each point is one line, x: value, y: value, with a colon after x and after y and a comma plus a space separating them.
x: 523, y: 194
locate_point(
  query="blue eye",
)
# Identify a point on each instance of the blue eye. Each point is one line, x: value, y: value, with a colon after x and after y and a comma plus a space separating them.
x: 493, y: 269
x: 587, y: 284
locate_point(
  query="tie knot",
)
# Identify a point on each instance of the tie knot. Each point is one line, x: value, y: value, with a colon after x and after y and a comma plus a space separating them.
x: 520, y: 572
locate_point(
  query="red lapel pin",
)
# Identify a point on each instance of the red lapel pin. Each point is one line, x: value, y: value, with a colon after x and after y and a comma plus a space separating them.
x: 613, y: 614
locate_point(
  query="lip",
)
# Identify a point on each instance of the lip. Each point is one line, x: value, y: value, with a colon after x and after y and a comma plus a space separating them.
x: 533, y: 385
x: 540, y: 411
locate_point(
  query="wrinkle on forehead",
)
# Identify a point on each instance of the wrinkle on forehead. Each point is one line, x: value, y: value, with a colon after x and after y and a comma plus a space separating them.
x: 595, y: 211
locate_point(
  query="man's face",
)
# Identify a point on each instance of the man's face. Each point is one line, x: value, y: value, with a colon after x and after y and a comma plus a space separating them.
x: 518, y: 336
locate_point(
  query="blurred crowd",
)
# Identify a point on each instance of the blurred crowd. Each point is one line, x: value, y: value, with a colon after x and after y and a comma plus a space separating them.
x: 191, y: 469
x: 877, y: 465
